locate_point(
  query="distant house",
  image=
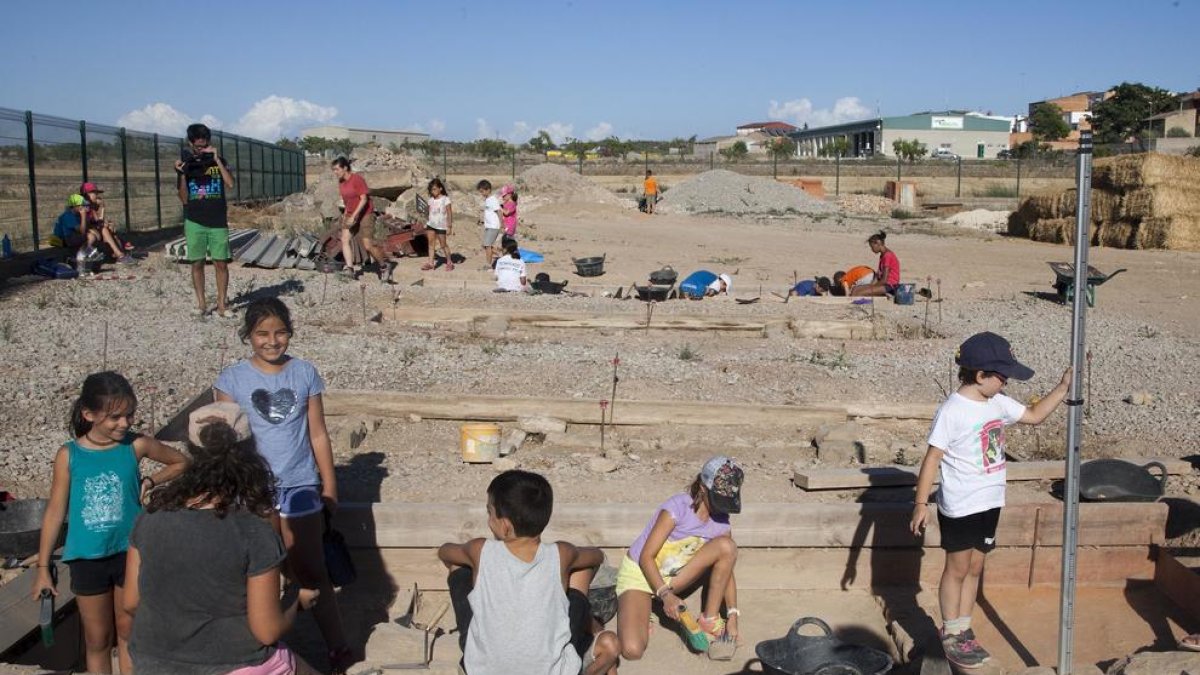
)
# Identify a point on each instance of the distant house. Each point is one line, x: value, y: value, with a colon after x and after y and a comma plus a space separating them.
x: 966, y: 134
x: 1185, y: 116
x: 1076, y: 112
x: 767, y: 128
x: 381, y: 137
x: 756, y: 143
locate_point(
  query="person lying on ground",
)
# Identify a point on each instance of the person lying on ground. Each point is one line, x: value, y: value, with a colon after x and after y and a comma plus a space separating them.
x: 510, y: 272
x: 844, y: 283
x: 812, y: 287
x: 687, y: 543
x: 887, y: 277
x: 703, y: 283
x: 521, y: 604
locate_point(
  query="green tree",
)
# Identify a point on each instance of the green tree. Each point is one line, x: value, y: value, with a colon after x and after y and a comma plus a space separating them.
x: 540, y: 143
x: 614, y: 147
x: 838, y: 147
x: 735, y: 152
x: 491, y: 148
x: 577, y: 148
x: 1178, y: 132
x: 1047, y: 123
x: 319, y: 144
x: 289, y: 143
x: 910, y: 150
x: 1121, y: 116
x: 781, y: 147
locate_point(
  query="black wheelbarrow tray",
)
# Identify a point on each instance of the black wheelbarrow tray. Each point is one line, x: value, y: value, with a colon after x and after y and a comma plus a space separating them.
x: 796, y: 654
x: 21, y: 527
x: 1115, y: 480
x: 1064, y: 281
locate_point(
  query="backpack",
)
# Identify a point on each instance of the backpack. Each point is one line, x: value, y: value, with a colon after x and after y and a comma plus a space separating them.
x: 53, y: 269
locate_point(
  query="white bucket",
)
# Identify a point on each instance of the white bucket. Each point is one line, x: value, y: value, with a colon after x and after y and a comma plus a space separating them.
x: 480, y: 442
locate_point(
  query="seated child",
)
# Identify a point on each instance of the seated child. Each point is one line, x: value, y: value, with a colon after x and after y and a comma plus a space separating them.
x: 521, y: 605
x: 703, y: 283
x: 69, y: 231
x: 844, y: 283
x: 687, y: 542
x: 510, y: 270
x: 812, y: 287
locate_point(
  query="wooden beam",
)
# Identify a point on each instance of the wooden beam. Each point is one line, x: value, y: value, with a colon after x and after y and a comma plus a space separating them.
x: 815, y: 478
x: 855, y: 525
x: 584, y: 411
x: 19, y: 614
x: 1177, y: 582
x: 768, y: 569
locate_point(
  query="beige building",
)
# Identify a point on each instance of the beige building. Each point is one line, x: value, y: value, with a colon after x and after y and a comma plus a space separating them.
x: 382, y: 137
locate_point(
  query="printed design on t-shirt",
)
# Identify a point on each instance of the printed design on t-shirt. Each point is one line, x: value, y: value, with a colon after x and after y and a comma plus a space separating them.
x: 103, y: 507
x: 207, y: 186
x: 991, y: 446
x: 276, y: 406
x: 675, y: 554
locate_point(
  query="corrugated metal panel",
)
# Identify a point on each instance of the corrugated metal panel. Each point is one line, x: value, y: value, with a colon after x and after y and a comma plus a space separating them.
x: 254, y: 251
x: 274, y: 253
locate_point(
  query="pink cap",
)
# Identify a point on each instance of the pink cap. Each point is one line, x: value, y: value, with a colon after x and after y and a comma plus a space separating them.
x: 88, y: 187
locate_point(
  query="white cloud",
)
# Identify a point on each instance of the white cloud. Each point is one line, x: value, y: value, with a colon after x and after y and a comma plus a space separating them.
x: 436, y: 126
x: 277, y: 116
x: 558, y: 131
x: 600, y: 131
x: 521, y: 131
x: 483, y: 129
x: 269, y: 119
x: 801, y: 111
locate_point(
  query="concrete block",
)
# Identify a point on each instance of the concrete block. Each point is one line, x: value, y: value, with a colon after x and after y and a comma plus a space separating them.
x: 541, y: 425
x: 512, y: 441
x: 589, y: 441
x: 1156, y: 663
x: 602, y: 465
x: 840, y: 444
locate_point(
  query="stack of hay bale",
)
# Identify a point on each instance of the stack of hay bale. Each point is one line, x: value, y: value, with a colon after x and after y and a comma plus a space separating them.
x: 1138, y: 201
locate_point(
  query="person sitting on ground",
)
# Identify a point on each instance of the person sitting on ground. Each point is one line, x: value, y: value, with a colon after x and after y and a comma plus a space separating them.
x: 521, y: 604
x: 510, y: 272
x: 812, y: 287
x: 845, y: 282
x: 703, y: 283
x: 212, y: 527
x: 687, y: 542
x: 887, y: 278
x: 99, y: 228
x: 69, y: 230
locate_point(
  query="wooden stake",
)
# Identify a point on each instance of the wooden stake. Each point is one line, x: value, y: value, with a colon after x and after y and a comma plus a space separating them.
x: 104, y: 357
x: 363, y: 287
x: 939, y: 301
x: 613, y: 401
x: 603, y: 405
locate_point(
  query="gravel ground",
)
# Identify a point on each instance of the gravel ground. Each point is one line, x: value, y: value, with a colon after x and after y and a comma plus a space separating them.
x: 730, y: 193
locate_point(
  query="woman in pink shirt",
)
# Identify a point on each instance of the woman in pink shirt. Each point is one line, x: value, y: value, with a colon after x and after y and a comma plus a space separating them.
x: 358, y: 221
x: 887, y: 277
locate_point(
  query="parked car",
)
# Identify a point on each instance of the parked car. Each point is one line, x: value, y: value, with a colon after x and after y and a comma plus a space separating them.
x: 943, y: 153
x: 1005, y: 154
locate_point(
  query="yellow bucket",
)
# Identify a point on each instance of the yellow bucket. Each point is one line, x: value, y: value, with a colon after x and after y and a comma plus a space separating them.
x: 480, y: 442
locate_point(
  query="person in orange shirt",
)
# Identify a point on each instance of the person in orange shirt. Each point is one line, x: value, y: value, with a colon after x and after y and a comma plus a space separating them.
x: 859, y: 275
x: 650, y: 190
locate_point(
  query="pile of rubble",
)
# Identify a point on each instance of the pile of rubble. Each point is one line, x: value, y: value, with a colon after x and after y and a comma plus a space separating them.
x: 554, y: 184
x: 730, y: 193
x: 874, y: 205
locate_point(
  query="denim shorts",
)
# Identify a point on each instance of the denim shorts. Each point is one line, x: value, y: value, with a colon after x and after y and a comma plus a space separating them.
x: 299, y: 501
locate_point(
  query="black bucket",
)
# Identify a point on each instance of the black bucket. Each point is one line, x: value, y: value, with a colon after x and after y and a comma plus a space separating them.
x: 796, y: 654
x: 664, y: 277
x: 543, y: 284
x: 590, y: 267
x: 654, y: 292
x: 1115, y: 480
x: 21, y: 527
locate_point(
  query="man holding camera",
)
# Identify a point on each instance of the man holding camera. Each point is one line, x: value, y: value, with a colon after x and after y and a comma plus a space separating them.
x: 203, y: 179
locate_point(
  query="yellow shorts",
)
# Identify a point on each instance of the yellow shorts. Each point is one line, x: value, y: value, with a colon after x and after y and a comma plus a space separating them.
x: 631, y: 578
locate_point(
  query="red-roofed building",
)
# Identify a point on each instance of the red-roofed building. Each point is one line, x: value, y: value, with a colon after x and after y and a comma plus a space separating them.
x: 768, y: 128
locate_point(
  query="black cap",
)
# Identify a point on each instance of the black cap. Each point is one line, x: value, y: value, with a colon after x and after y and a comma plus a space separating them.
x: 990, y: 352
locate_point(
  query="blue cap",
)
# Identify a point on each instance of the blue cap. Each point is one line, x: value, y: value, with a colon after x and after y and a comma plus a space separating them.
x: 990, y: 352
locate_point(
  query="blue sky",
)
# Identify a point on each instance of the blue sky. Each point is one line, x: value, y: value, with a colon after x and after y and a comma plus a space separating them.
x: 463, y: 70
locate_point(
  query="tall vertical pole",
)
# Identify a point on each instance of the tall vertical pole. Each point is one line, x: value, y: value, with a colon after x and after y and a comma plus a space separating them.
x: 958, y: 182
x: 898, y: 160
x: 1019, y: 167
x: 1083, y: 217
x: 445, y: 171
x: 237, y: 162
x: 30, y: 162
x: 157, y: 185
x: 837, y: 174
x: 83, y: 158
x: 125, y: 175
x: 514, y: 163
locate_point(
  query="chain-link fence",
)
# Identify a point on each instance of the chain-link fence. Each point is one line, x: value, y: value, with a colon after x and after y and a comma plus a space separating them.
x: 44, y: 159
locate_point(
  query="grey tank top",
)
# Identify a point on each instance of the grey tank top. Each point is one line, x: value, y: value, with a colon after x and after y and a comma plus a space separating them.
x: 519, y: 622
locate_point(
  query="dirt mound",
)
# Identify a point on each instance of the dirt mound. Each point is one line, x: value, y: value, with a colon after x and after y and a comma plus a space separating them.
x: 553, y: 184
x: 866, y: 204
x: 722, y: 191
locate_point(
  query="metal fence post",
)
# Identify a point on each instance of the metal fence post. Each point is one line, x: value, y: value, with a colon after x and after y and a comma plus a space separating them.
x: 712, y: 161
x: 774, y: 165
x: 83, y: 158
x: 1018, y: 178
x: 157, y: 185
x: 445, y: 171
x: 514, y: 164
x: 837, y: 174
x: 899, y: 160
x: 958, y: 184
x: 29, y: 160
x: 125, y: 176
x: 237, y: 160
x: 249, y: 172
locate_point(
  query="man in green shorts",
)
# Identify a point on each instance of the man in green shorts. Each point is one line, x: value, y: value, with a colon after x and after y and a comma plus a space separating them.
x: 203, y: 179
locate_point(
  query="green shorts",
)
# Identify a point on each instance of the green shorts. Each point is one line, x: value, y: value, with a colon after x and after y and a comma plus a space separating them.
x: 206, y: 242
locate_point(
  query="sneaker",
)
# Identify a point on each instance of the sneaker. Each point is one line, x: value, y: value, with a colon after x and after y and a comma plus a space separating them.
x: 963, y: 651
x: 385, y: 271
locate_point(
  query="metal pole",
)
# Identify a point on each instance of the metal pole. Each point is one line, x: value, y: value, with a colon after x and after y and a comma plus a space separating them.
x: 712, y: 161
x: 1083, y: 216
x: 157, y: 184
x: 958, y: 184
x: 837, y: 174
x: 514, y: 164
x: 83, y: 158
x: 1019, y: 168
x: 898, y: 160
x: 29, y: 161
x: 775, y: 165
x: 237, y: 161
x: 445, y: 171
x: 125, y: 175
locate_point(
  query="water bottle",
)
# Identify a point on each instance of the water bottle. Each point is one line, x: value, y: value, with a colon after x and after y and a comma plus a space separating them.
x: 6, y: 246
x: 81, y: 259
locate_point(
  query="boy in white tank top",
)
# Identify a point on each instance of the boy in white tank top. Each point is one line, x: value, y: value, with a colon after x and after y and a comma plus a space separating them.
x: 520, y: 604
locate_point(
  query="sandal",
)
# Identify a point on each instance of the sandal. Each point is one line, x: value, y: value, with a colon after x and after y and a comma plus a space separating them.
x: 713, y: 626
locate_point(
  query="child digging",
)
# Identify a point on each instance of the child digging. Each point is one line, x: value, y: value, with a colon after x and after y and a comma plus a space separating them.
x: 966, y: 442
x: 687, y: 542
x: 521, y: 604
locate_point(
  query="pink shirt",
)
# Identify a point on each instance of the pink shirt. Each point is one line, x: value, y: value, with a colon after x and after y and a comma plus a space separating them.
x: 889, y: 260
x: 509, y: 219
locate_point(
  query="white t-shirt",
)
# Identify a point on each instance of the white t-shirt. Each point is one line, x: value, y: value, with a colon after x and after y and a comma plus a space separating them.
x: 437, y: 212
x: 491, y: 213
x: 509, y: 271
x: 971, y: 434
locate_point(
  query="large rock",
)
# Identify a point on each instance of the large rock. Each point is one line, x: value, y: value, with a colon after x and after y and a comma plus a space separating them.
x: 541, y: 425
x: 1157, y: 663
x: 840, y: 444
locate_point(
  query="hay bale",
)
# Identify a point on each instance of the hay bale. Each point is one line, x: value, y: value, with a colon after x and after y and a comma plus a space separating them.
x: 1179, y: 233
x: 1130, y: 172
x: 1053, y: 230
x: 1159, y: 202
x: 1117, y: 234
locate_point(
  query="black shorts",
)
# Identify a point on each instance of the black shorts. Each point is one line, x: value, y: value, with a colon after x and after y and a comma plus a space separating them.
x: 976, y: 531
x: 96, y: 576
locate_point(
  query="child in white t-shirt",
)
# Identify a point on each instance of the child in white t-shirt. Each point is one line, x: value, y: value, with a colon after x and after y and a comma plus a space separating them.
x: 966, y: 442
x: 510, y: 271
x: 490, y: 220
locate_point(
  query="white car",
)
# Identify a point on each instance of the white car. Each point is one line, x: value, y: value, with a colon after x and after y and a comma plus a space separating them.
x: 943, y: 153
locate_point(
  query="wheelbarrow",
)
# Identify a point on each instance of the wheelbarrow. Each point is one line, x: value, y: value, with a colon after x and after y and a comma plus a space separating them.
x: 796, y: 654
x: 589, y: 267
x: 1064, y: 281
x: 20, y: 527
x: 1115, y: 480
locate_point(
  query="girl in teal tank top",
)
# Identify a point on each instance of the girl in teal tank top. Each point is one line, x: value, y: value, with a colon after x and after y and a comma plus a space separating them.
x: 98, y: 488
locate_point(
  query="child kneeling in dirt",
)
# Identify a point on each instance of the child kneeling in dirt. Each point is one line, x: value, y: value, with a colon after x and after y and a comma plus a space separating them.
x: 521, y: 605
x: 687, y: 542
x: 511, y: 275
x: 966, y: 442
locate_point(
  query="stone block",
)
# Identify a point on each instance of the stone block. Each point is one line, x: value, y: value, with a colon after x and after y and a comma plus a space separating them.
x: 541, y: 425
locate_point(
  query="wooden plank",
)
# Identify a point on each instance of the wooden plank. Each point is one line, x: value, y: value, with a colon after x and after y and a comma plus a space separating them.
x: 19, y: 614
x: 583, y: 410
x: 769, y: 569
x: 175, y: 430
x: 1177, y: 582
x: 763, y: 525
x: 814, y: 478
